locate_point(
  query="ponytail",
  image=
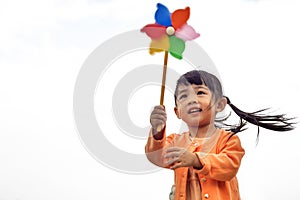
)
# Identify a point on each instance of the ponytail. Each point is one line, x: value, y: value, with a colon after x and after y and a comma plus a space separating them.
x: 258, y: 118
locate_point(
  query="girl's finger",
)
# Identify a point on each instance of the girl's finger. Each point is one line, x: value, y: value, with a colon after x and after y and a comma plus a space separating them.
x: 172, y: 149
x: 177, y: 165
x: 160, y: 107
x: 159, y: 110
x: 158, y: 117
x: 172, y: 155
x: 159, y: 114
x: 172, y: 161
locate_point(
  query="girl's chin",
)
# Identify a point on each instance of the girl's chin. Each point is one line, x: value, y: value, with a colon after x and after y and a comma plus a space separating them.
x: 193, y: 123
x: 197, y: 123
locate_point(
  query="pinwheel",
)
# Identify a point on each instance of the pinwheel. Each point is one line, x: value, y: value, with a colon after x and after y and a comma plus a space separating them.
x: 168, y: 34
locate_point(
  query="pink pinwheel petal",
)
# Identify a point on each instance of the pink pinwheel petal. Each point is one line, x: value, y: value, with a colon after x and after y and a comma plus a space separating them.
x: 154, y: 31
x: 186, y: 32
x: 179, y: 17
x: 159, y: 45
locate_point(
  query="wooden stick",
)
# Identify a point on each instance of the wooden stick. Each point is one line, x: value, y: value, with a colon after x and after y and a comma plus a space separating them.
x: 163, y: 83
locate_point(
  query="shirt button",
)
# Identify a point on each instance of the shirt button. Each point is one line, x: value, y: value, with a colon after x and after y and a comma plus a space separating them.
x: 203, y: 180
x: 206, y: 196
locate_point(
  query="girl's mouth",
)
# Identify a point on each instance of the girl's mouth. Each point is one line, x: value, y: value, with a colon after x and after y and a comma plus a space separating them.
x: 194, y: 110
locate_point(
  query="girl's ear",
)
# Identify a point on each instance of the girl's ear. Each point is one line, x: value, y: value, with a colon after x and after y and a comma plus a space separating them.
x: 177, y: 112
x: 221, y: 104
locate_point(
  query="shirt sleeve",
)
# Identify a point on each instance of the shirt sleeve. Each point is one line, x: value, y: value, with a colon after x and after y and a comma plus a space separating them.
x: 222, y: 166
x: 155, y: 149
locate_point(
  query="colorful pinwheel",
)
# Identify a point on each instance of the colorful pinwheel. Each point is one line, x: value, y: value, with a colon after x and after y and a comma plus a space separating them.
x: 168, y: 34
x: 170, y: 31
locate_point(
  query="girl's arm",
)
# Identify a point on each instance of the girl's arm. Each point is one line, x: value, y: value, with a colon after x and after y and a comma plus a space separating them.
x: 155, y: 148
x: 157, y: 140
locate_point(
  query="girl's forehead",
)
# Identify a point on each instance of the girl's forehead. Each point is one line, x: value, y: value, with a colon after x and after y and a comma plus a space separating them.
x: 183, y: 87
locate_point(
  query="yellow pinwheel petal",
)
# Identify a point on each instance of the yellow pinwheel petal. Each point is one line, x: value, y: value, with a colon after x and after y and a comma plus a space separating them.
x: 159, y: 45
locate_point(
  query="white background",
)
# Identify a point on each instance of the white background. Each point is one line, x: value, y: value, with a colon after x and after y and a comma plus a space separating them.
x: 43, y: 44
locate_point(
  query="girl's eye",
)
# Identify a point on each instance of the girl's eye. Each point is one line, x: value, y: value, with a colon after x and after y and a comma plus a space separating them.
x: 200, y: 92
x: 182, y: 96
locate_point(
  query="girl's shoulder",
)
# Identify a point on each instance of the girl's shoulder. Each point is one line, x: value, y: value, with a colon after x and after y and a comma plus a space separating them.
x: 226, y: 135
x: 228, y: 139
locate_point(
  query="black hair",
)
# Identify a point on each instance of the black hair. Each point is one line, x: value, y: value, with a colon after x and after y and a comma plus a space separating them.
x: 272, y: 122
x: 199, y: 77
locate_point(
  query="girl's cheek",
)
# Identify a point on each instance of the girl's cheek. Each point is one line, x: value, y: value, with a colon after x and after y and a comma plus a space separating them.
x: 179, y: 112
x: 179, y: 108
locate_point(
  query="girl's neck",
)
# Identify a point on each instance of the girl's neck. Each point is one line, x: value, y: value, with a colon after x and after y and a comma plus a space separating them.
x: 202, y: 132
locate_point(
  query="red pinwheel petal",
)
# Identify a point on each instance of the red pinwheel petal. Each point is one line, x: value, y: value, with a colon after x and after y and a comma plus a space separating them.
x: 154, y: 31
x: 179, y: 17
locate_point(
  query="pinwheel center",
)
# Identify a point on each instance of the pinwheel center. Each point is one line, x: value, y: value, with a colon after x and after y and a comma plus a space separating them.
x: 170, y: 30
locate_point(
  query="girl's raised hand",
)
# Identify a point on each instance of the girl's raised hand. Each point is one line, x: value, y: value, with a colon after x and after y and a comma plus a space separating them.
x: 158, y: 118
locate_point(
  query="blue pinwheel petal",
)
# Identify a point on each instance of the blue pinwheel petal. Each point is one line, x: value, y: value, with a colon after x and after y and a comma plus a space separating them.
x: 163, y: 15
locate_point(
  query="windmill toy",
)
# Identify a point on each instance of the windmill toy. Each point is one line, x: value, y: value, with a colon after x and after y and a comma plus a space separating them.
x: 168, y: 34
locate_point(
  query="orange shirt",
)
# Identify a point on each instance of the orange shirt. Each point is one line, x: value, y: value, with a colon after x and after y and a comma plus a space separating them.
x: 221, y: 158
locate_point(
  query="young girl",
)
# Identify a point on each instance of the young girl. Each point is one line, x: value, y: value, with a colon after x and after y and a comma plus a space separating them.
x: 206, y: 158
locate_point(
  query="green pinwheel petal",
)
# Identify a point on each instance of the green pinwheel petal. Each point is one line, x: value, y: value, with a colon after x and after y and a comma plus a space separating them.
x: 177, y: 47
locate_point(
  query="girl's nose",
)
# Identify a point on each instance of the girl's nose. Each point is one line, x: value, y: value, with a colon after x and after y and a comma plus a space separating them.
x: 193, y: 99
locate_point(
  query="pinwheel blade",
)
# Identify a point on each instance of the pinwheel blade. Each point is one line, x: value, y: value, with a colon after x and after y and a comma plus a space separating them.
x: 179, y: 17
x: 162, y: 15
x: 186, y: 32
x: 154, y: 31
x: 159, y: 45
x: 177, y: 47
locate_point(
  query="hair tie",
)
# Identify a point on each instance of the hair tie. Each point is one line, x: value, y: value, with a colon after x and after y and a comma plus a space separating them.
x: 228, y: 100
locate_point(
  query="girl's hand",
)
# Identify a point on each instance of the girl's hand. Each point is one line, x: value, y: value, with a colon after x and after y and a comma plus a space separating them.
x: 158, y: 118
x: 180, y: 157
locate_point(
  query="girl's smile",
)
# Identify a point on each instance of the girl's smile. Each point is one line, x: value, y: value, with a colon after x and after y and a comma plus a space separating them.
x: 194, y: 110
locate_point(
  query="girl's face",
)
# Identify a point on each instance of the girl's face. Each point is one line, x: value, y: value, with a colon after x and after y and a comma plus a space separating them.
x: 194, y: 105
